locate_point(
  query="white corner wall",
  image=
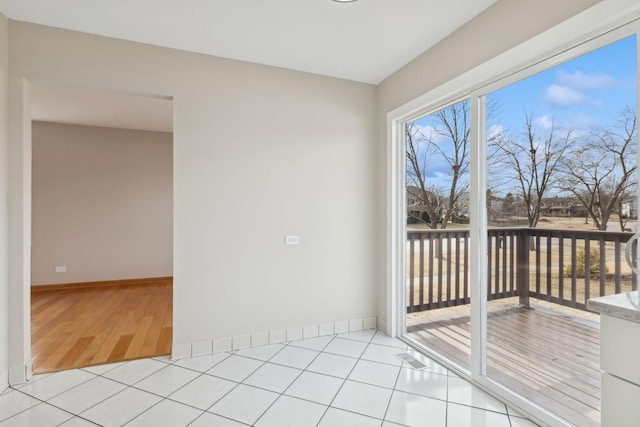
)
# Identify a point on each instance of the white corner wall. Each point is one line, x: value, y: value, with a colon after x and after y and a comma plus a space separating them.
x: 505, y: 25
x: 259, y: 153
x: 102, y: 204
x: 4, y: 319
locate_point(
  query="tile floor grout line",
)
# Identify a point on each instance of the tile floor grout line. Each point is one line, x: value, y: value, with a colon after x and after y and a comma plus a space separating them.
x: 237, y: 383
x: 132, y: 386
x: 345, y: 381
x: 393, y: 391
x: 217, y: 415
x: 205, y: 355
x: 43, y: 402
x: 301, y: 372
x: 221, y: 397
x: 183, y: 386
x: 127, y: 387
x: 13, y: 390
x: 71, y: 388
x: 82, y: 418
x: 40, y: 401
x: 143, y: 412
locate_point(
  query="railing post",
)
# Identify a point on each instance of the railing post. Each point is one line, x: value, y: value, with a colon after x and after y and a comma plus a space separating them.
x: 522, y: 274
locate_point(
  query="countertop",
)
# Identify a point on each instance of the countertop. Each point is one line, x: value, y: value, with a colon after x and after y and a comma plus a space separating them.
x: 624, y: 306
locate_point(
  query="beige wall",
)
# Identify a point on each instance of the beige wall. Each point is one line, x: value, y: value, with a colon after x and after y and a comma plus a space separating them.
x: 102, y: 204
x: 501, y: 27
x: 4, y: 65
x: 259, y: 152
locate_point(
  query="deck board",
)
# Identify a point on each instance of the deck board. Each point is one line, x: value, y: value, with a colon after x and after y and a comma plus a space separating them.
x: 548, y: 358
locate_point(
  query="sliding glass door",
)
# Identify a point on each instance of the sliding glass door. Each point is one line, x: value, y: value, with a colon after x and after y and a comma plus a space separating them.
x: 519, y: 200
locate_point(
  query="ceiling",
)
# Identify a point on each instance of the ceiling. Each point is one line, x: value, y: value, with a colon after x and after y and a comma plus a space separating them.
x: 365, y: 40
x: 90, y: 107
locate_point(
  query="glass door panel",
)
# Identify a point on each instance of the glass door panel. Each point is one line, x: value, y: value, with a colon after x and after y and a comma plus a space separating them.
x: 561, y: 203
x: 437, y: 288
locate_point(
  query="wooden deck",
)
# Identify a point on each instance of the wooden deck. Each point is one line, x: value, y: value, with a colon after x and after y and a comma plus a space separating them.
x: 549, y: 357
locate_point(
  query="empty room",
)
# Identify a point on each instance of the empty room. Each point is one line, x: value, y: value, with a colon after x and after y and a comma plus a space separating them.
x: 360, y: 212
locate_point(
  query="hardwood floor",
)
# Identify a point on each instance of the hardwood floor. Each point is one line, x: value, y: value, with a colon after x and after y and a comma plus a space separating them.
x: 79, y: 326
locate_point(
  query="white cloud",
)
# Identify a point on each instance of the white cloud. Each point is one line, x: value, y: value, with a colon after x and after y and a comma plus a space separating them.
x: 585, y: 81
x: 495, y: 131
x: 563, y: 95
x: 544, y: 122
x: 428, y: 131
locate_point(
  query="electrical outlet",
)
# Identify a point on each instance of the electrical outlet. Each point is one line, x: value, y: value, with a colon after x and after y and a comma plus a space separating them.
x: 61, y: 268
x: 291, y: 240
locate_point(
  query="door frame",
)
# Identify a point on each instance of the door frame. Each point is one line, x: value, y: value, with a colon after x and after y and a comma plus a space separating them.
x: 19, y: 247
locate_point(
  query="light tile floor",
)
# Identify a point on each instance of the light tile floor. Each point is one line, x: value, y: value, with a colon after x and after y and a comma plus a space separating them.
x: 348, y: 380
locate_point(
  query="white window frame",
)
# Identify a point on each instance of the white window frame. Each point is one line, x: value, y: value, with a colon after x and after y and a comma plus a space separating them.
x: 558, y: 45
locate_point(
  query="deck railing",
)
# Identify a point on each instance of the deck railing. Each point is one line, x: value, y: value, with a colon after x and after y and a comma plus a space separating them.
x: 553, y: 265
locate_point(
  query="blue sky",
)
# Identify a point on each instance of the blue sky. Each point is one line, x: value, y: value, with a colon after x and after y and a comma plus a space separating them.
x: 583, y: 94
x: 588, y: 91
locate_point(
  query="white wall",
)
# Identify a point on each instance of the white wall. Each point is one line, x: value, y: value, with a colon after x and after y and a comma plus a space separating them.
x: 259, y: 152
x: 102, y: 204
x: 4, y: 65
x: 503, y: 26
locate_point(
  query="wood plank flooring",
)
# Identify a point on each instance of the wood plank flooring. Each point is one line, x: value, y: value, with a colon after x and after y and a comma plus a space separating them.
x: 550, y: 359
x: 92, y: 325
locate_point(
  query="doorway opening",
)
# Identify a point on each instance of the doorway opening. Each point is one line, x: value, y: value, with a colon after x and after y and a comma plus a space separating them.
x: 102, y: 227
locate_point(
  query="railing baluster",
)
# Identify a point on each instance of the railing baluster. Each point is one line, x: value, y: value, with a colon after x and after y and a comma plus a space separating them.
x: 618, y: 264
x: 512, y: 264
x: 634, y: 256
x: 603, y: 265
x: 411, y: 273
x: 587, y: 269
x: 561, y: 267
x: 503, y: 293
x: 499, y: 248
x: 431, y: 273
x: 448, y: 269
x: 466, y: 269
x: 457, y: 269
x: 549, y: 250
x: 490, y: 249
x: 440, y: 302
x: 537, y: 264
x: 574, y: 279
x: 422, y: 254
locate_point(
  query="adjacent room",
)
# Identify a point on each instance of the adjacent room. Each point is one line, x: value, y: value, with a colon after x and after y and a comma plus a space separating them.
x: 102, y: 227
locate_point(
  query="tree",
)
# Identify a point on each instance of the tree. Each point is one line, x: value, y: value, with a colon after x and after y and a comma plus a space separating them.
x: 448, y: 140
x: 532, y: 162
x: 602, y: 169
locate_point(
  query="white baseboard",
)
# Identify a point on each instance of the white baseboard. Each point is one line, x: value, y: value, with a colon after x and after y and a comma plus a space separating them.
x: 218, y: 345
x: 20, y: 374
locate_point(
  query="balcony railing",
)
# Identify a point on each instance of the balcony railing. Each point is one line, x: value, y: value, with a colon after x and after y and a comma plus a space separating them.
x: 553, y: 265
